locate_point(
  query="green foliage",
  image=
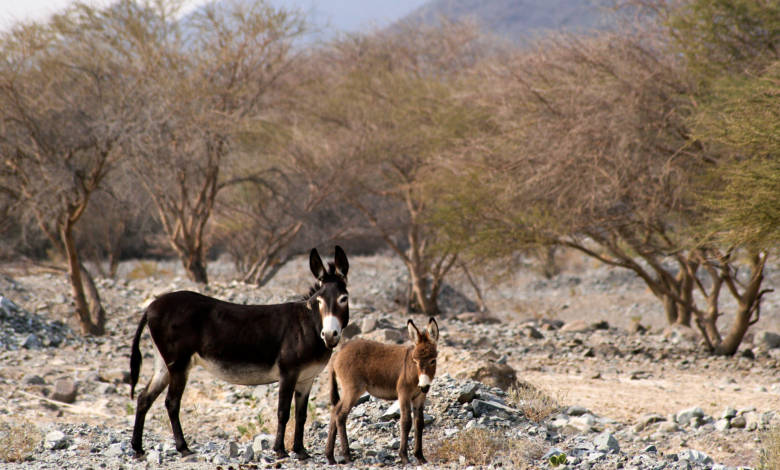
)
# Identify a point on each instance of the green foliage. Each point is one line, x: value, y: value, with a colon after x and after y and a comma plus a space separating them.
x: 558, y: 459
x: 725, y: 36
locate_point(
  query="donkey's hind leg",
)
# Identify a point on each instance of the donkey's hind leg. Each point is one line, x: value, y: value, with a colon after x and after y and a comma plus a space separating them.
x: 173, y: 404
x: 341, y: 413
x: 146, y: 398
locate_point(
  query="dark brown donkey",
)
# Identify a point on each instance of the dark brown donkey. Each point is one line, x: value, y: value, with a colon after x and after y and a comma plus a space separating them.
x: 386, y: 371
x: 244, y: 344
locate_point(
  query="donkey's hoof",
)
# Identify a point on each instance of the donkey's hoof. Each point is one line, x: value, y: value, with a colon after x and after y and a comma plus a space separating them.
x: 186, y: 452
x: 281, y: 454
x: 139, y: 453
x: 300, y: 454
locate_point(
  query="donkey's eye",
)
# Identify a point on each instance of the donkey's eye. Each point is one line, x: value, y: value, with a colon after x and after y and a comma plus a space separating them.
x: 343, y: 299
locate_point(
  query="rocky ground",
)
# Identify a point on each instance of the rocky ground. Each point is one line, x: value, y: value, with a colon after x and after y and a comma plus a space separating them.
x: 600, y: 380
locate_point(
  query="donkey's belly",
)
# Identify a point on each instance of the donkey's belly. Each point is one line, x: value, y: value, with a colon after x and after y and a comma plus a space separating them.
x: 239, y: 373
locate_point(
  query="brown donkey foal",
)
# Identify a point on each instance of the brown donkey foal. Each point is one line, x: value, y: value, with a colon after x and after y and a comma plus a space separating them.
x: 386, y: 371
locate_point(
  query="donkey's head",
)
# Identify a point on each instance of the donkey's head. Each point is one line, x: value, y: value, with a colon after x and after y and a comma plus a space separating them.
x: 329, y: 296
x: 424, y: 352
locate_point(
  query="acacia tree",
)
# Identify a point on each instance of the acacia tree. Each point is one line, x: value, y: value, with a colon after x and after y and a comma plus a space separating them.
x: 213, y: 74
x: 65, y: 95
x: 603, y: 163
x: 391, y: 106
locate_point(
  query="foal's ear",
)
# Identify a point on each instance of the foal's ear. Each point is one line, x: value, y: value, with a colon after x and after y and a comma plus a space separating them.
x: 414, y: 333
x: 433, y: 329
x: 315, y: 264
x: 342, y: 265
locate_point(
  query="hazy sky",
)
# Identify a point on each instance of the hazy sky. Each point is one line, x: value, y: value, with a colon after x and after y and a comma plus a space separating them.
x: 342, y: 14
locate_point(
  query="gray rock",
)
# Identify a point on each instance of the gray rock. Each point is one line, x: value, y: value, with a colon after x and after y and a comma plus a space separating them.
x: 685, y: 417
x: 532, y: 332
x: 467, y: 392
x: 65, y: 390
x: 350, y: 331
x: 768, y: 339
x: 576, y: 410
x: 606, y: 442
x: 738, y: 422
x: 262, y: 442
x: 392, y: 412
x: 248, y: 454
x: 722, y: 424
x: 392, y: 335
x: 115, y: 450
x: 32, y: 342
x: 695, y: 456
x: 483, y: 408
x: 232, y: 450
x: 368, y: 324
x: 154, y: 457
x: 56, y: 440
x: 32, y: 379
x: 729, y: 413
x: 668, y: 427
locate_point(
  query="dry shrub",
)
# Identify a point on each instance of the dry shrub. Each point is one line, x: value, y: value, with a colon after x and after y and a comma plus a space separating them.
x: 537, y: 405
x: 769, y: 456
x: 17, y: 440
x: 146, y: 270
x: 480, y: 446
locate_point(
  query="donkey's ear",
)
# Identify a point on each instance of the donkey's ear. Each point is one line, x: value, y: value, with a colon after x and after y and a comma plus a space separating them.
x: 414, y: 333
x: 433, y: 329
x: 342, y: 265
x: 315, y: 264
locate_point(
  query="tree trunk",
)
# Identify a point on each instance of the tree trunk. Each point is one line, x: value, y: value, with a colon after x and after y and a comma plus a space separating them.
x: 421, y: 300
x: 88, y: 325
x: 196, y: 268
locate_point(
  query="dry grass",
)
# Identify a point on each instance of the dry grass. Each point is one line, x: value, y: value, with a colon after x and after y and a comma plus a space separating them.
x: 479, y: 446
x: 146, y: 270
x: 769, y: 456
x: 17, y: 441
x: 537, y: 405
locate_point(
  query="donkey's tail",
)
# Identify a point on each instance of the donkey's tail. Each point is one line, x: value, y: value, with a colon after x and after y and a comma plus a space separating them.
x: 334, y: 387
x: 135, y: 355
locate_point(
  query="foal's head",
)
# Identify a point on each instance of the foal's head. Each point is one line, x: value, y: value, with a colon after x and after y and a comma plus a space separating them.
x: 424, y: 352
x: 329, y: 295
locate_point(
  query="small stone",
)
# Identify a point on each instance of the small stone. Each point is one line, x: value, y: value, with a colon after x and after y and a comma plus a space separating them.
x: 262, y: 442
x: 31, y: 341
x: 650, y: 449
x: 695, y: 456
x: 729, y: 413
x: 232, y: 450
x: 467, y: 392
x: 768, y: 339
x: 483, y: 407
x: 738, y: 422
x: 56, y: 440
x: 392, y: 335
x: 350, y: 331
x: 606, y: 442
x: 114, y: 450
x: 686, y: 416
x: 722, y: 424
x: 65, y: 390
x: 368, y: 324
x: 248, y: 453
x: 32, y: 379
x: 531, y: 332
x: 668, y: 427
x: 576, y: 410
x: 392, y: 412
x: 154, y: 457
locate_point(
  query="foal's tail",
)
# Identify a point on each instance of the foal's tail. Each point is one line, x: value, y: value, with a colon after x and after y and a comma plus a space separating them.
x: 334, y: 388
x: 135, y: 355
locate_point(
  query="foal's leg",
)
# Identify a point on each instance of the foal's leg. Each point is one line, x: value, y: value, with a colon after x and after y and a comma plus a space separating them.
x: 418, y: 405
x: 173, y: 404
x: 406, y: 425
x: 301, y: 408
x: 286, y: 388
x: 341, y: 413
x: 146, y: 398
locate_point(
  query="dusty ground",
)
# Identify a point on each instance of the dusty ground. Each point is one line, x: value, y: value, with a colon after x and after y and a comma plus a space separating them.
x: 628, y: 376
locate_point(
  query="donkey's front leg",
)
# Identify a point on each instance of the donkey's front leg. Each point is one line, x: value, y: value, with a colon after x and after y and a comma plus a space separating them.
x: 301, y: 408
x: 406, y: 425
x: 418, y: 430
x: 286, y: 388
